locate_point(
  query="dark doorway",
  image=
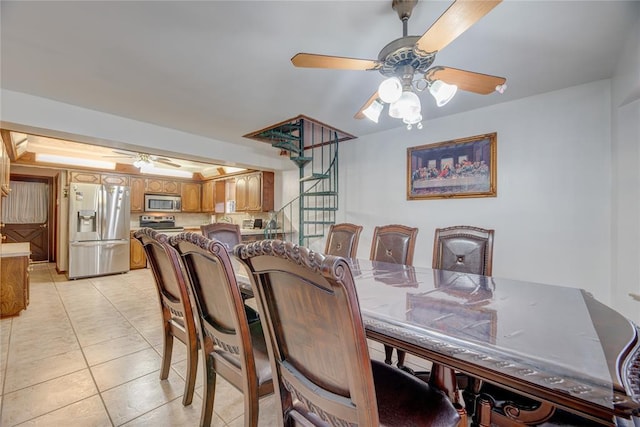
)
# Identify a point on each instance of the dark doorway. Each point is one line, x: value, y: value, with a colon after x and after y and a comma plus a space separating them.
x: 28, y: 215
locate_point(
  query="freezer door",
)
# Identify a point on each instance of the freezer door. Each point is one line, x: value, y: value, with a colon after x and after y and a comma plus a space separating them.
x: 115, y: 221
x: 88, y: 259
x: 114, y: 256
x: 84, y: 211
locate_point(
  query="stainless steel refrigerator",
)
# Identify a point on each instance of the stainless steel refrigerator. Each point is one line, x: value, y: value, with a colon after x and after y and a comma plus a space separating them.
x: 99, y: 224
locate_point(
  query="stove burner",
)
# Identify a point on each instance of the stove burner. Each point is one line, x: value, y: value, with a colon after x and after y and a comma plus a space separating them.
x: 160, y: 223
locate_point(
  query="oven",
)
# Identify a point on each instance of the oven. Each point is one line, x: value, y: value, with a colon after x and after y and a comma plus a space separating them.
x: 165, y: 224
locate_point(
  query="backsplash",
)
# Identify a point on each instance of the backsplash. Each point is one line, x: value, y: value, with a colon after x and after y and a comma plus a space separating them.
x: 197, y: 219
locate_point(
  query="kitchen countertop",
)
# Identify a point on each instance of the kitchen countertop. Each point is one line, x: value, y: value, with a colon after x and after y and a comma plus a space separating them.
x: 243, y: 231
x: 14, y: 250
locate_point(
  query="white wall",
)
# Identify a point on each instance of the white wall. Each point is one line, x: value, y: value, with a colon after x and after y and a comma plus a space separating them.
x: 625, y: 226
x: 552, y: 214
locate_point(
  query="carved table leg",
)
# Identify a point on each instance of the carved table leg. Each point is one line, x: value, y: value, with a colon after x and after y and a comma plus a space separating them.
x: 510, y: 414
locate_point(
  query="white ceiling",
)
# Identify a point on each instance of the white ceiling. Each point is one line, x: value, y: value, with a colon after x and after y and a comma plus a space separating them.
x: 222, y: 69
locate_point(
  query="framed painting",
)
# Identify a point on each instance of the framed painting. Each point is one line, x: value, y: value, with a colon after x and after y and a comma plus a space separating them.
x: 464, y: 167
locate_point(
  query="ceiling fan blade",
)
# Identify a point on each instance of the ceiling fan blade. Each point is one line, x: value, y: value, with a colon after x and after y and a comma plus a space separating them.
x: 360, y: 114
x: 457, y: 19
x: 167, y: 162
x: 483, y: 84
x: 311, y: 60
x: 125, y: 153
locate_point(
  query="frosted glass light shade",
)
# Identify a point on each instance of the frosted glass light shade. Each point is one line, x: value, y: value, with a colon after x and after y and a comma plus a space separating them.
x: 407, y: 106
x: 442, y: 92
x: 372, y: 112
x: 390, y: 90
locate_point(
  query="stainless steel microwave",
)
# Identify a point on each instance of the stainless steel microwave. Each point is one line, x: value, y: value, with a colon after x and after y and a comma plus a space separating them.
x: 162, y: 203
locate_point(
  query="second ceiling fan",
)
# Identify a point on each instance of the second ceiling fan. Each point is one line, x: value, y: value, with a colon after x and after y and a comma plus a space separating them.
x: 144, y: 159
x: 406, y: 62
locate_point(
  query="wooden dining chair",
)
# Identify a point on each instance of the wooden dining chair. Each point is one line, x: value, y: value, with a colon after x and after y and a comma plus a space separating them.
x: 318, y: 347
x: 463, y: 248
x: 394, y: 243
x: 177, y: 312
x: 342, y: 240
x: 232, y: 347
x: 228, y: 234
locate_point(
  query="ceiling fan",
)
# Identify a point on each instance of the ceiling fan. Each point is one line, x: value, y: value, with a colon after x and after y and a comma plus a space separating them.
x: 143, y: 159
x: 406, y: 62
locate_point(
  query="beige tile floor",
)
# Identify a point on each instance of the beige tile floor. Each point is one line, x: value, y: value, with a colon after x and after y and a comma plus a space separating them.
x: 87, y: 353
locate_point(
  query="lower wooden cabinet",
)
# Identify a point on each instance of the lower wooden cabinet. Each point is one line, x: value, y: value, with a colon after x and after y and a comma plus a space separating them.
x: 14, y: 285
x: 137, y: 257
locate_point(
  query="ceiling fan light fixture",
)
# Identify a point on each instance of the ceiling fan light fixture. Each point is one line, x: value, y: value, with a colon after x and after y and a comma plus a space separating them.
x: 442, y: 92
x: 407, y: 106
x: 501, y: 88
x: 390, y: 90
x: 372, y: 112
x: 142, y: 160
x: 413, y: 120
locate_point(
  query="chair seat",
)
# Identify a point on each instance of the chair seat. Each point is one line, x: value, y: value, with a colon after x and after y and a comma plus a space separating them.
x: 260, y: 354
x: 404, y: 400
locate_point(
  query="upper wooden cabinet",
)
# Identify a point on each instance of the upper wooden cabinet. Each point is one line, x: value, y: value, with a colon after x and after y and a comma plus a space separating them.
x: 190, y: 197
x: 208, y: 196
x: 137, y: 194
x: 5, y: 164
x: 254, y: 192
x: 162, y: 186
x: 85, y: 177
x: 219, y: 196
x: 115, y: 179
x: 98, y: 178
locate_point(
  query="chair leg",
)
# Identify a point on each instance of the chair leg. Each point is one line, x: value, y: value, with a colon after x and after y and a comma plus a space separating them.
x: 209, y: 391
x: 401, y: 357
x: 388, y: 353
x: 192, y: 369
x: 167, y: 350
x: 251, y: 407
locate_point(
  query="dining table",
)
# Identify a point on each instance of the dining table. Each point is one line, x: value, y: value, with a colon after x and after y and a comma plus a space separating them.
x: 554, y: 344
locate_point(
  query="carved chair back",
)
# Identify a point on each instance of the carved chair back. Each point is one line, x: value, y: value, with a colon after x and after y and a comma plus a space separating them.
x: 342, y: 240
x: 463, y: 248
x: 228, y: 234
x: 177, y: 311
x: 318, y: 346
x: 394, y: 243
x: 232, y: 347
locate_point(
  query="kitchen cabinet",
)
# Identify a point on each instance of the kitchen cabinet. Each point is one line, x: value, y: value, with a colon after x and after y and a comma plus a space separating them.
x: 5, y: 164
x: 115, y: 179
x: 137, y: 257
x: 137, y: 194
x: 219, y: 196
x: 254, y: 192
x: 208, y: 196
x: 14, y: 278
x: 213, y: 196
x: 162, y: 186
x: 190, y: 194
x: 84, y: 177
x: 98, y: 178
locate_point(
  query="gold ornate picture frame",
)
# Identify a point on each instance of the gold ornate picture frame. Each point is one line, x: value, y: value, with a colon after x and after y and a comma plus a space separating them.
x: 464, y: 167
